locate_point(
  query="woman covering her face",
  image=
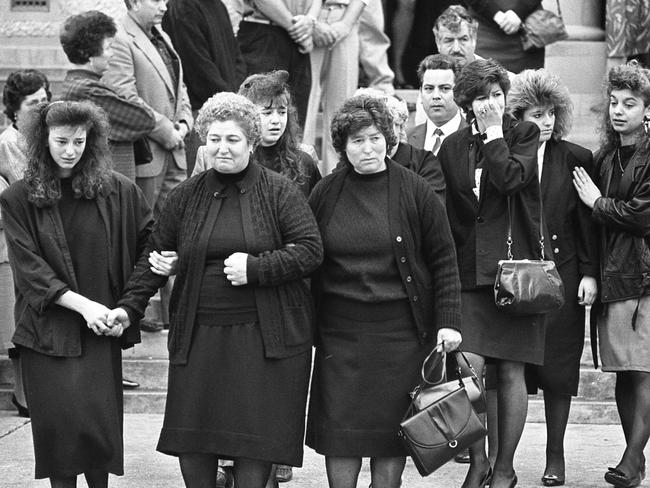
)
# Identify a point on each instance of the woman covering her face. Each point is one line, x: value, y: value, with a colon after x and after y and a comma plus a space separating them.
x: 619, y: 199
x: 75, y: 230
x: 540, y: 98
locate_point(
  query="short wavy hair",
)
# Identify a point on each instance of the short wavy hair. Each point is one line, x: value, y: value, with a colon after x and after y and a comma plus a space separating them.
x: 265, y: 89
x: 474, y: 80
x: 452, y: 18
x: 438, y: 61
x: 535, y: 88
x: 82, y: 35
x: 631, y: 76
x: 91, y: 175
x: 18, y: 86
x: 356, y: 114
x: 397, y: 108
x: 226, y: 106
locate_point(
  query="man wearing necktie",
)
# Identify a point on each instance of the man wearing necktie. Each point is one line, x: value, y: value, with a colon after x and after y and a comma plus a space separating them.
x: 437, y: 74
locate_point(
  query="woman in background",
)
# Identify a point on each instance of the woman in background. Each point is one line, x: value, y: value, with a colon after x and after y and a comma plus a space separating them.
x: 540, y: 98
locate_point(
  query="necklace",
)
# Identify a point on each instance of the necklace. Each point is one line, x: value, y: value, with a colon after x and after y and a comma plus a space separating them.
x: 618, y: 158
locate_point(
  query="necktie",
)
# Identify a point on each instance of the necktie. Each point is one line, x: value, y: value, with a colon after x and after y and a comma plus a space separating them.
x: 436, y: 144
x: 171, y: 63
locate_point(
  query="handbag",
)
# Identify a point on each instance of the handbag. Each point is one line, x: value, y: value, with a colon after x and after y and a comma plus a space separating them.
x: 142, y: 151
x: 428, y: 392
x: 527, y: 286
x: 434, y: 435
x: 541, y: 28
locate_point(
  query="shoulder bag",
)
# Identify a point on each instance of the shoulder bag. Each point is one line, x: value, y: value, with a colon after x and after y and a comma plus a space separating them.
x: 541, y: 28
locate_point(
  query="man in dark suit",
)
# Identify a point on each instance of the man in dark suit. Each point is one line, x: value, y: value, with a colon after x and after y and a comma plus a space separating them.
x: 437, y: 74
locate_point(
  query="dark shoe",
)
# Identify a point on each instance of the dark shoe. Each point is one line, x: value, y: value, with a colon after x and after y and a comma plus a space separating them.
x: 619, y: 479
x: 22, y: 410
x: 129, y: 384
x: 514, y: 482
x: 283, y: 474
x: 487, y: 478
x: 462, y: 457
x: 552, y: 480
x: 149, y: 326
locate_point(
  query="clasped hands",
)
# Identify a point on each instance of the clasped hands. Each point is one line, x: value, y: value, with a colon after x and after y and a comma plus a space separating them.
x: 104, y: 321
x: 508, y: 21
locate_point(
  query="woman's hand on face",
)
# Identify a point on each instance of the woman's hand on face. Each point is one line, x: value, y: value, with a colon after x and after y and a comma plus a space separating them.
x: 235, y: 268
x: 587, y: 290
x: 95, y: 314
x: 163, y: 263
x: 448, y: 340
x: 488, y: 114
x: 586, y: 188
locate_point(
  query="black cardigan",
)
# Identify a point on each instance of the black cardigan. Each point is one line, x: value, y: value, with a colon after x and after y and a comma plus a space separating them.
x: 422, y: 245
x: 275, y: 217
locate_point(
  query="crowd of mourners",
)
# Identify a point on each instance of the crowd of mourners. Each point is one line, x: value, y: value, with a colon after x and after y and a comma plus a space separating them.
x: 298, y: 278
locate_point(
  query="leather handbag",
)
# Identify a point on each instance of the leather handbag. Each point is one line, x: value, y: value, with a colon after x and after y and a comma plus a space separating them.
x: 541, y: 28
x: 142, y: 151
x: 441, y: 430
x: 527, y: 286
x: 428, y: 392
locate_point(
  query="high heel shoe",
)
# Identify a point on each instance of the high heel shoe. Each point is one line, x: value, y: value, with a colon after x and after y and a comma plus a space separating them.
x: 22, y: 410
x: 552, y: 480
x: 487, y: 478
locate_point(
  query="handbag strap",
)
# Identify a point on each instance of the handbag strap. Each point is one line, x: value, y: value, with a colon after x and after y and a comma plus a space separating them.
x: 559, y: 10
x: 439, y: 359
x: 541, y: 228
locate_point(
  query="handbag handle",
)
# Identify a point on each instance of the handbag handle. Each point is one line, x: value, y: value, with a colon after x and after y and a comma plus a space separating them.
x: 559, y: 10
x: 541, y: 228
x: 440, y: 358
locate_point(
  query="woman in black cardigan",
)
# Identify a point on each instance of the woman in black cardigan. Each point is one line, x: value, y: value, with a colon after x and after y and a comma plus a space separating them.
x: 539, y: 97
x: 491, y: 162
x: 240, y: 333
x: 387, y: 293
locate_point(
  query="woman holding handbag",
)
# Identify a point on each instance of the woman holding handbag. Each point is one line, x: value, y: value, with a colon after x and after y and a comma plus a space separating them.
x: 490, y: 170
x: 539, y: 97
x: 619, y: 197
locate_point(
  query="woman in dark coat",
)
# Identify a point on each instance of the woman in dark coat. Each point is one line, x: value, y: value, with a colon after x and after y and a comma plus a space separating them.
x: 539, y: 97
x: 619, y: 197
x: 387, y: 293
x: 240, y: 334
x: 499, y: 22
x: 491, y: 162
x: 74, y: 230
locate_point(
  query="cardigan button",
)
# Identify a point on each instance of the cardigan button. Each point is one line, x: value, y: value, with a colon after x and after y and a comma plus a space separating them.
x: 479, y: 219
x: 398, y: 238
x: 424, y: 335
x: 415, y: 298
x: 554, y: 237
x: 242, y: 191
x: 556, y: 250
x: 402, y: 259
x: 409, y: 279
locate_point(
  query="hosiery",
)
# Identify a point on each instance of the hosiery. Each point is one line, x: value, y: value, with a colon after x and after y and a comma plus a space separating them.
x: 513, y: 407
x: 492, y: 424
x: 64, y: 482
x: 199, y: 469
x: 479, y: 463
x: 272, y: 482
x: 342, y: 472
x: 556, y: 410
x: 624, y: 393
x: 251, y: 473
x: 638, y: 436
x: 19, y: 389
x: 96, y: 479
x: 386, y: 472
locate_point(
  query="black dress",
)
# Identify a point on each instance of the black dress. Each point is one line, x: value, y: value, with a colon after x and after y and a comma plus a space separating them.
x: 229, y: 400
x: 76, y: 402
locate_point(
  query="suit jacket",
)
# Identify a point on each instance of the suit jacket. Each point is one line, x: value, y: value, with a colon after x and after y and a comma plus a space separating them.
x: 423, y: 163
x: 137, y: 72
x: 417, y: 135
x: 571, y: 230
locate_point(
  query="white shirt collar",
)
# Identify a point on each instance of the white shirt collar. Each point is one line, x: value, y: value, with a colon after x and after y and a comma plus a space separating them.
x: 540, y: 160
x: 447, y: 128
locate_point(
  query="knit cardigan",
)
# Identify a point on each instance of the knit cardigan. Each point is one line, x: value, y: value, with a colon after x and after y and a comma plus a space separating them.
x: 275, y: 217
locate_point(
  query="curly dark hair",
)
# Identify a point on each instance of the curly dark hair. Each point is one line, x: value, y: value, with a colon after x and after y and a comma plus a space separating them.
x: 356, y: 114
x: 438, y: 61
x: 91, y: 175
x: 631, y: 76
x: 264, y: 90
x: 19, y: 85
x: 452, y: 18
x: 475, y: 79
x: 82, y: 35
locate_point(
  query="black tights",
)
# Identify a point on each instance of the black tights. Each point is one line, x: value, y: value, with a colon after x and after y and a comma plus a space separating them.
x: 633, y: 403
x: 94, y: 479
x: 199, y: 470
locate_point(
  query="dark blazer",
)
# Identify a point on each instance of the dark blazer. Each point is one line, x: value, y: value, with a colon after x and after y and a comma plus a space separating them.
x: 284, y: 247
x: 570, y: 229
x: 480, y: 226
x: 417, y: 135
x: 42, y: 265
x: 422, y: 244
x: 422, y: 163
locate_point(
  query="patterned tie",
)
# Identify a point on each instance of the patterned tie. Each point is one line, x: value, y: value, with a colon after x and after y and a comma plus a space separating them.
x: 437, y: 143
x: 171, y: 63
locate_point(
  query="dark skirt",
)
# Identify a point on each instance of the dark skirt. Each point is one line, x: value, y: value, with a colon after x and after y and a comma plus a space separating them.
x: 506, y: 49
x: 565, y: 337
x: 232, y: 401
x: 365, y: 367
x: 76, y: 408
x: 493, y: 334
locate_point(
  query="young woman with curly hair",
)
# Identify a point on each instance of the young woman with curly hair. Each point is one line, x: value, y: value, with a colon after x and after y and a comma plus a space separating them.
x: 539, y: 97
x: 74, y: 231
x: 619, y: 199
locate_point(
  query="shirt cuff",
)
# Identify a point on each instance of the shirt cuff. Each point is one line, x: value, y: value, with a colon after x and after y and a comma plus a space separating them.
x: 493, y: 132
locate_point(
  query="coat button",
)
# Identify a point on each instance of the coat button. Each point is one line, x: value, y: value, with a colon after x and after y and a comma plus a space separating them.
x: 554, y: 237
x: 556, y: 250
x: 479, y: 219
x: 216, y: 194
x: 402, y: 259
x: 409, y: 279
x: 242, y: 191
x: 398, y: 238
x: 415, y: 298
